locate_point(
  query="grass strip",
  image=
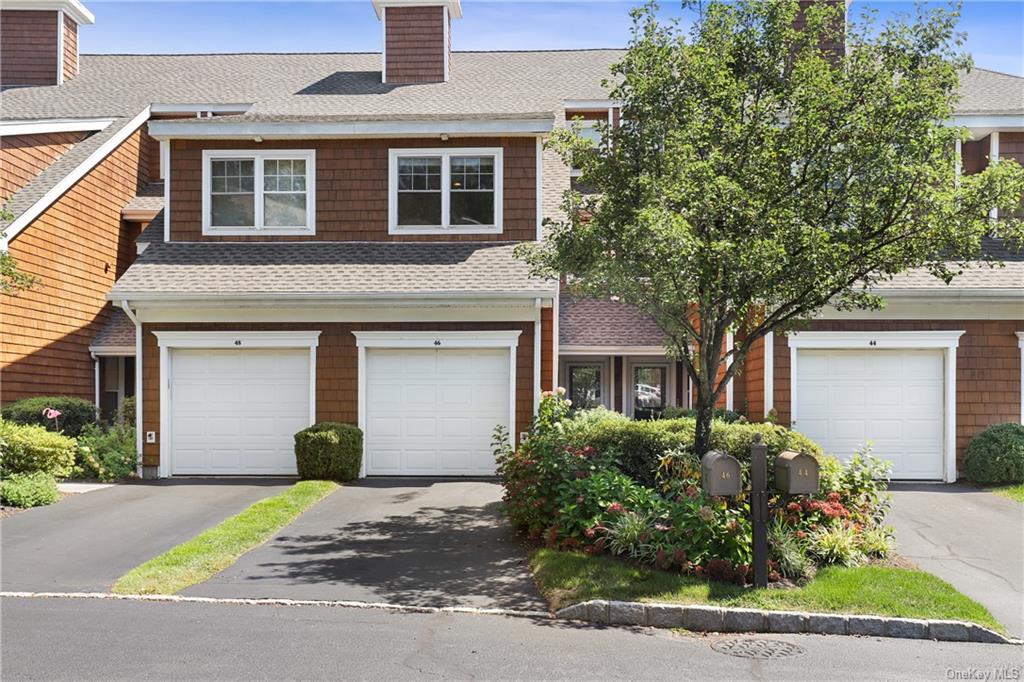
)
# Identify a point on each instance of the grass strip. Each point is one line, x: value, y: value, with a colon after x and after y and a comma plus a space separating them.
x: 1014, y: 492
x: 570, y: 577
x: 218, y: 547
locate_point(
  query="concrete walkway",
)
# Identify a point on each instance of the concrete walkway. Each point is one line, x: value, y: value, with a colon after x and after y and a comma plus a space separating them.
x: 971, y: 538
x: 86, y: 542
x: 410, y: 541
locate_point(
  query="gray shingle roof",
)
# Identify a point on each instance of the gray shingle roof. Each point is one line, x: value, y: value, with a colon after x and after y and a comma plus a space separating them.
x: 154, y: 232
x: 118, y: 332
x: 343, y: 85
x: 1000, y: 267
x: 592, y: 322
x: 990, y: 92
x: 149, y: 198
x: 182, y: 271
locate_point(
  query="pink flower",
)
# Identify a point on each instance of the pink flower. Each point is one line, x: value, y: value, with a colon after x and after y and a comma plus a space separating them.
x: 560, y: 390
x: 590, y: 532
x: 615, y: 507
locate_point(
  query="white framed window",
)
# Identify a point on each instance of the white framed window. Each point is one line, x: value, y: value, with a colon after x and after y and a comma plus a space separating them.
x: 268, y: 192
x: 438, y: 191
x: 588, y: 131
x: 587, y: 383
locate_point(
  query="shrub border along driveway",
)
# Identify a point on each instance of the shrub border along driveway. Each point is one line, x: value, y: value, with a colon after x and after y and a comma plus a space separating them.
x: 218, y: 547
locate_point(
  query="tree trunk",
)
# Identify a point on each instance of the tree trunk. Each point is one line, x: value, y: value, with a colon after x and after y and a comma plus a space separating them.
x: 705, y: 413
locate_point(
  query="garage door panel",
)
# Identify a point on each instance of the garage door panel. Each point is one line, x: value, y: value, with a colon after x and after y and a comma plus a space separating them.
x: 235, y: 411
x: 891, y: 397
x: 441, y: 420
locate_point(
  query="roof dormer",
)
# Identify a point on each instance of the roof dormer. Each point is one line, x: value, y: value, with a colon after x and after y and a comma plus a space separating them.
x: 39, y: 41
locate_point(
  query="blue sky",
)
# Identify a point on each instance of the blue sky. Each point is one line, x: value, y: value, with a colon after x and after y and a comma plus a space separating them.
x: 995, y: 29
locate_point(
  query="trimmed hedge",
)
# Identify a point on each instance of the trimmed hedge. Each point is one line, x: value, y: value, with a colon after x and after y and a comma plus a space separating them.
x: 728, y: 416
x: 330, y: 451
x: 996, y: 455
x: 75, y: 413
x: 27, y: 448
x: 639, y: 445
x: 33, y: 489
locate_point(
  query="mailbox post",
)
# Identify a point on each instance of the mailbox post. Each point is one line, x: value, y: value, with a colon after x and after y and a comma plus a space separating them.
x: 759, y: 509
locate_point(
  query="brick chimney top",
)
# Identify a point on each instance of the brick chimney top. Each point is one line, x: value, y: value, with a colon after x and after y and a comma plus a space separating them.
x: 417, y: 39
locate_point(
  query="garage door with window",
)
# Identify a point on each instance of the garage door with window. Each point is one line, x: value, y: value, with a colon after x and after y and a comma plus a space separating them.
x: 891, y: 397
x: 235, y: 412
x: 433, y: 411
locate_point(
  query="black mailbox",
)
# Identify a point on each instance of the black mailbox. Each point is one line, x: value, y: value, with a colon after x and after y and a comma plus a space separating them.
x: 796, y: 473
x: 720, y: 474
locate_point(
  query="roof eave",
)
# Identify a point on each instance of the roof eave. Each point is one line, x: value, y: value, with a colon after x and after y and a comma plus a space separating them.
x: 368, y: 297
x: 188, y: 129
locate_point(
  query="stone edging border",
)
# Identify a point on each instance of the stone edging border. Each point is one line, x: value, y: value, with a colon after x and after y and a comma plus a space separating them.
x: 718, y: 619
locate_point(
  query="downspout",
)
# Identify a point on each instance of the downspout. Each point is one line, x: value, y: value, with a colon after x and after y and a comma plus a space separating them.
x: 536, y: 355
x: 138, y: 383
x: 96, y: 382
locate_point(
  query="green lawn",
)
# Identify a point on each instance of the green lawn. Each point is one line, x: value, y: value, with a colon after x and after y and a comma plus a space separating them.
x: 1014, y: 492
x: 218, y: 547
x: 570, y: 577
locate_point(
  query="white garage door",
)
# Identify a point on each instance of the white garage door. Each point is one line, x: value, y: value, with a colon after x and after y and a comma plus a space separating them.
x: 236, y: 411
x: 893, y: 398
x: 432, y: 412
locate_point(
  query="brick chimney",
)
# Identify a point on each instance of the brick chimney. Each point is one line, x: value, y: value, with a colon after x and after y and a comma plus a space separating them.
x: 837, y: 47
x: 417, y: 39
x: 39, y: 41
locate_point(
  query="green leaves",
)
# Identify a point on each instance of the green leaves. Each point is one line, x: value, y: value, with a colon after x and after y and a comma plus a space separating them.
x: 757, y: 177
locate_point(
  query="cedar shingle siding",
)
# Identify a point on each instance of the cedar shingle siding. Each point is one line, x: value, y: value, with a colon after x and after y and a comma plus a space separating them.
x: 75, y: 249
x: 352, y: 188
x: 28, y: 47
x: 23, y: 157
x: 988, y: 389
x: 337, y: 367
x: 415, y: 44
x: 70, y: 48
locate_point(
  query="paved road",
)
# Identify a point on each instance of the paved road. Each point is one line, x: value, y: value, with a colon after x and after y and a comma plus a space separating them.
x: 968, y: 537
x: 88, y: 541
x: 91, y: 639
x: 408, y: 541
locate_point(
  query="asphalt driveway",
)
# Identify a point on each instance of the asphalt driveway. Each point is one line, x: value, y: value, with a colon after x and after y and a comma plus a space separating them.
x: 87, y: 541
x: 409, y: 541
x: 971, y: 538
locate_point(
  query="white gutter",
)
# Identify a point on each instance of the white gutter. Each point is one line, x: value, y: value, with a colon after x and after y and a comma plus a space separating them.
x: 75, y: 9
x: 69, y: 180
x: 536, y: 354
x: 447, y: 298
x: 40, y: 126
x: 951, y: 295
x: 199, y: 107
x: 138, y: 382
x: 207, y: 129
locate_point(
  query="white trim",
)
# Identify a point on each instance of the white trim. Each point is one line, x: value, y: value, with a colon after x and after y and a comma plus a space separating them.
x: 539, y: 182
x: 96, y: 381
x: 167, y: 189
x: 73, y: 8
x: 202, y: 129
x: 941, y: 307
x: 242, y: 340
x: 591, y: 104
x: 554, y: 340
x: 454, y: 6
x: 729, y: 390
x: 445, y: 26
x: 138, y: 214
x: 439, y: 340
x: 445, y: 153
x: 999, y: 121
x: 769, y: 372
x: 60, y: 47
x: 382, y: 15
x: 111, y: 351
x: 537, y: 359
x: 993, y: 158
x: 1020, y: 344
x: 69, y: 180
x: 52, y: 125
x: 958, y: 160
x: 165, y: 158
x: 571, y: 349
x: 439, y: 297
x: 387, y: 311
x: 138, y: 383
x: 199, y: 107
x: 606, y: 363
x: 237, y: 339
x: 947, y: 341
x: 624, y: 378
x: 258, y: 157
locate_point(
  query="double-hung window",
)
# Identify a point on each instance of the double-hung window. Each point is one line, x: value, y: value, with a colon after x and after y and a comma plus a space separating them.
x: 268, y: 192
x: 437, y: 191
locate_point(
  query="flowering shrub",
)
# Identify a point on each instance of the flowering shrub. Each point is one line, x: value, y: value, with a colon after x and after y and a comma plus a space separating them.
x: 572, y: 485
x: 107, y: 454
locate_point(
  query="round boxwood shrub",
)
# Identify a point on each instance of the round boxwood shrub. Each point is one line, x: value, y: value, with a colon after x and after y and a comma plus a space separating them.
x: 33, y: 489
x: 75, y: 413
x: 330, y: 451
x: 26, y: 448
x: 996, y: 455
